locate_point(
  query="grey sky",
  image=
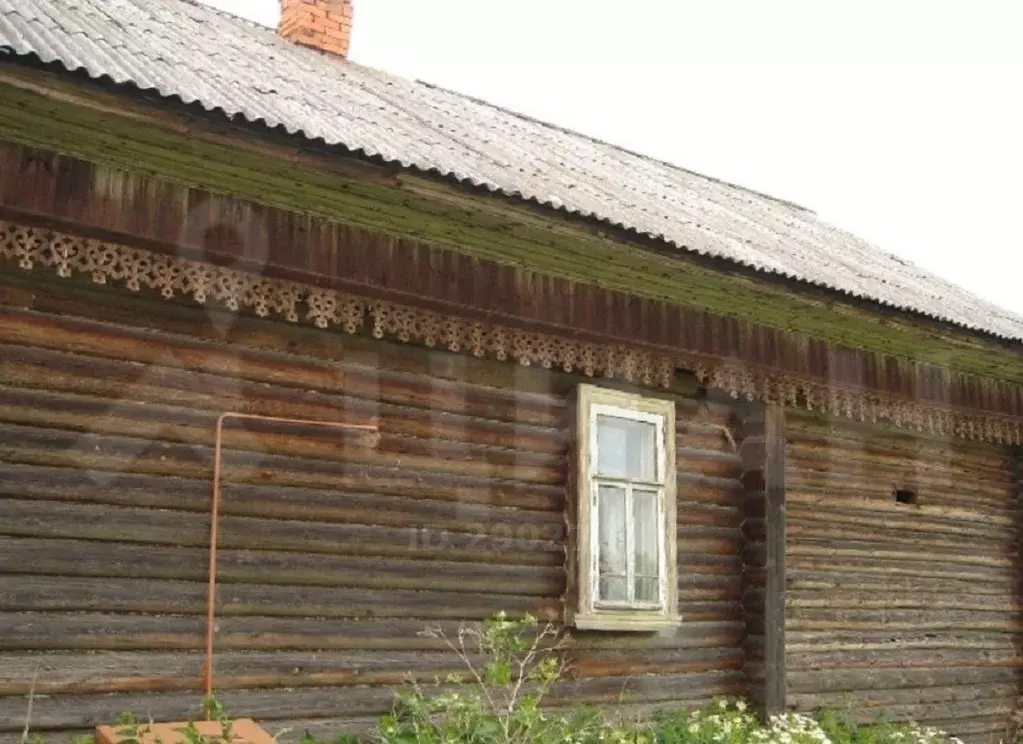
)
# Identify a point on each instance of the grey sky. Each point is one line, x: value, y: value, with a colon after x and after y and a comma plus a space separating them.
x: 900, y: 121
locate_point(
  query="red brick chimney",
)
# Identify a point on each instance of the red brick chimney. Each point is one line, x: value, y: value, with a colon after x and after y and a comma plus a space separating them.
x: 321, y: 24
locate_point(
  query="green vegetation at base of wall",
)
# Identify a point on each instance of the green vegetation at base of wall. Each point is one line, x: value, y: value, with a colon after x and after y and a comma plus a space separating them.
x: 511, y: 668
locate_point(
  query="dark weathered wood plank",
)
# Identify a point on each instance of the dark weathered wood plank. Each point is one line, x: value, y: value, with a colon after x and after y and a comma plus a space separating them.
x: 421, y: 542
x: 149, y: 671
x: 36, y: 556
x: 268, y: 705
x: 774, y: 591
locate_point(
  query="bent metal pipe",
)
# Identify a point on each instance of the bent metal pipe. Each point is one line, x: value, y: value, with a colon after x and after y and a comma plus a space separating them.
x: 215, y: 514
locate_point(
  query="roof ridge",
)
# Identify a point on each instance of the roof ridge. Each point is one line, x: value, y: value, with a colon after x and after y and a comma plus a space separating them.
x: 605, y: 143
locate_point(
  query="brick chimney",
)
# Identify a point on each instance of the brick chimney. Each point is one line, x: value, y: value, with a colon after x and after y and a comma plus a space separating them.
x: 321, y: 24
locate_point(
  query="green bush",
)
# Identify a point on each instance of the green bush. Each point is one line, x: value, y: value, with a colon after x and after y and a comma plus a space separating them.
x: 499, y: 701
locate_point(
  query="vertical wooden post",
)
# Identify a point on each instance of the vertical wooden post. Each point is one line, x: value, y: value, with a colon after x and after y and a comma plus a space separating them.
x: 761, y: 436
x: 774, y: 590
x: 1013, y: 728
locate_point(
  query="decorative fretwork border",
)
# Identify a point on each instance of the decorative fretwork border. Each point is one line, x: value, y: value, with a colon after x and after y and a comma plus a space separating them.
x: 135, y: 268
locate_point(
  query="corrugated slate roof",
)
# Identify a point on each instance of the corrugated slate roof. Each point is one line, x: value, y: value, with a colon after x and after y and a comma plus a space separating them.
x: 198, y: 54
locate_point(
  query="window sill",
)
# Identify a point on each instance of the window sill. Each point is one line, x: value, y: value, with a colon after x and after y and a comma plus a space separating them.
x: 625, y: 621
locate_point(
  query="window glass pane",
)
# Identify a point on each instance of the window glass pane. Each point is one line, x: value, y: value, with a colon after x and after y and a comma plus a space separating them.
x: 626, y: 448
x: 645, y: 544
x: 611, y: 530
x: 646, y: 591
x: 614, y: 589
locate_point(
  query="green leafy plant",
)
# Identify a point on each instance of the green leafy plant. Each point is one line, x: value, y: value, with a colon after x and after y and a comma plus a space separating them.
x: 130, y: 729
x: 499, y: 701
x: 720, y: 723
x: 212, y: 710
x: 308, y: 738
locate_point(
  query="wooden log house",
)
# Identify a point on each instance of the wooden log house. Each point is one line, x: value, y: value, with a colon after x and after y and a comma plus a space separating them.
x: 733, y: 450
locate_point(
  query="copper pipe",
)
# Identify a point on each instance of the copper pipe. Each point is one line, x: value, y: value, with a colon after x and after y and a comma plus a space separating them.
x: 211, y: 595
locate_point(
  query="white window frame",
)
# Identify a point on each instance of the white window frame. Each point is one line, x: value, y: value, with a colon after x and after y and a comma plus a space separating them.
x: 591, y: 613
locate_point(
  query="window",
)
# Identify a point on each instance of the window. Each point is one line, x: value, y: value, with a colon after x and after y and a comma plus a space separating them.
x: 625, y: 551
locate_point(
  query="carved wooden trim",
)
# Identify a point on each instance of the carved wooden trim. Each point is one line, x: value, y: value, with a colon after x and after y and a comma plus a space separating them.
x: 135, y: 268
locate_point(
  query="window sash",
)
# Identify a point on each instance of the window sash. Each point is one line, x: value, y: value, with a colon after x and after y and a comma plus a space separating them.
x: 630, y: 470
x: 630, y: 537
x: 628, y: 484
x: 605, y: 409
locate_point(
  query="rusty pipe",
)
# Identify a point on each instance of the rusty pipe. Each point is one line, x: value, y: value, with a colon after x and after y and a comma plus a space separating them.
x: 211, y: 592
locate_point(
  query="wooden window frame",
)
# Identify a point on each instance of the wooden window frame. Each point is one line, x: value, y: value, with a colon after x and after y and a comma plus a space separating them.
x: 590, y: 613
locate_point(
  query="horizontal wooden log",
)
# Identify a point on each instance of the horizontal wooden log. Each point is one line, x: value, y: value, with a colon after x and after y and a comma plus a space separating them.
x: 874, y: 659
x: 103, y: 340
x: 32, y: 445
x: 700, y: 514
x: 321, y: 506
x: 877, y: 679
x: 811, y: 427
x: 949, y: 491
x: 114, y: 524
x: 882, y: 551
x: 31, y: 556
x: 873, y: 501
x: 877, y: 639
x: 829, y: 581
x: 939, y: 463
x: 888, y: 600
x: 25, y: 593
x: 690, y: 591
x: 48, y: 380
x: 106, y: 457
x: 953, y: 697
x: 212, y: 325
x: 704, y: 462
x: 694, y: 434
x: 918, y: 522
x: 116, y: 671
x: 863, y: 567
x: 175, y: 425
x: 893, y: 544
x: 52, y: 631
x: 39, y: 631
x: 842, y: 466
x: 88, y: 710
x: 824, y: 431
x: 183, y: 426
x: 818, y: 619
x: 470, y: 514
x: 517, y: 541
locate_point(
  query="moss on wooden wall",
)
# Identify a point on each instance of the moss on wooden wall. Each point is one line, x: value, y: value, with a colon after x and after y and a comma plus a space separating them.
x: 40, y: 110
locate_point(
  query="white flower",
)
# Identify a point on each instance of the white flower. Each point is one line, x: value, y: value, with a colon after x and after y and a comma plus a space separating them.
x: 740, y: 705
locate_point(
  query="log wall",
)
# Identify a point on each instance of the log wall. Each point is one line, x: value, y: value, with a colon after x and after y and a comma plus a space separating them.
x: 909, y: 608
x: 336, y: 549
